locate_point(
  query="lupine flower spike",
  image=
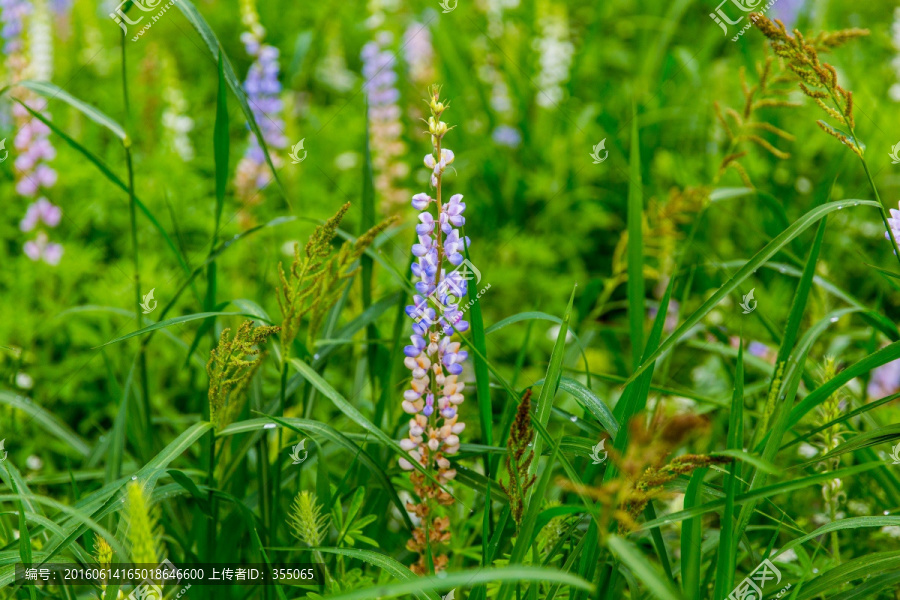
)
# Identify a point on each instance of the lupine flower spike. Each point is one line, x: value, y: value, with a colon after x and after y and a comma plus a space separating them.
x: 433, y: 357
x: 264, y: 92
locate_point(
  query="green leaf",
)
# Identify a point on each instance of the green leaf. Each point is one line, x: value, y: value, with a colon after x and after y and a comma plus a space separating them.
x: 691, y: 540
x: 876, y: 359
x: 383, y: 562
x: 770, y: 249
x: 542, y: 316
x: 654, y: 581
x: 767, y: 492
x: 482, y: 376
x: 175, y: 321
x: 551, y: 380
x: 587, y: 399
x: 51, y: 91
x: 212, y: 42
x: 726, y: 560
x: 461, y: 580
x: 636, y: 293
x: 316, y: 428
x: 221, y: 143
x: 870, y: 565
x: 47, y: 421
x: 848, y: 523
x: 354, y: 415
x: 97, y: 162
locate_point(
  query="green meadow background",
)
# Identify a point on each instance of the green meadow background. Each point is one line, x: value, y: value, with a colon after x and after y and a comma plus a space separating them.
x: 578, y: 256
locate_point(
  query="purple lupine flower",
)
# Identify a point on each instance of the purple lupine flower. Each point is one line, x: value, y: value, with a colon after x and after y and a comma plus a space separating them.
x: 41, y: 248
x: 385, y: 128
x: 504, y: 135
x: 41, y: 210
x: 419, y: 53
x: 885, y: 380
x: 435, y: 359
x: 32, y: 146
x: 787, y: 11
x: 12, y: 19
x: 894, y: 223
x: 264, y: 96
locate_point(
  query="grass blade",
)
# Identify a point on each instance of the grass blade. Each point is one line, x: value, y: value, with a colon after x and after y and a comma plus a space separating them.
x: 551, y: 380
x: 636, y: 310
x: 194, y: 17
x: 630, y: 556
x: 770, y: 249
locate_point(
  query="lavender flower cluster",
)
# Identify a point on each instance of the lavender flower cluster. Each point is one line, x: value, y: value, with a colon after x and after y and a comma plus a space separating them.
x: 433, y: 357
x: 379, y: 66
x: 32, y: 144
x: 264, y: 94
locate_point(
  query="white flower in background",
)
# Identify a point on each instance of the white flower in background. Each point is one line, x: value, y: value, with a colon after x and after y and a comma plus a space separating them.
x: 486, y: 61
x: 895, y: 62
x: 786, y: 557
x: 377, y: 10
x: 34, y: 462
x: 40, y: 46
x: 24, y: 381
x: 345, y: 161
x: 494, y: 10
x: 857, y: 507
x: 807, y: 450
x: 176, y: 124
x: 555, y: 52
x: 332, y: 70
x: 891, y: 530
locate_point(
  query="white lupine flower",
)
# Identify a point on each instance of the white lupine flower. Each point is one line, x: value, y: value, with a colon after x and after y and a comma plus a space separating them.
x: 555, y: 57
